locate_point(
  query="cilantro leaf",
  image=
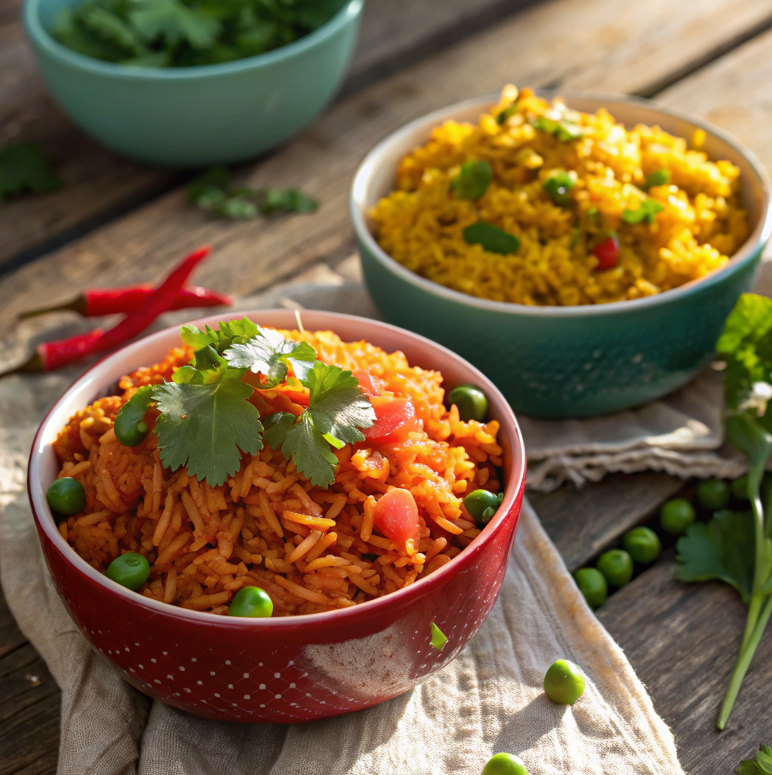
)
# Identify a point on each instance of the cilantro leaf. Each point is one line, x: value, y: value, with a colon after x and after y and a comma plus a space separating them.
x: 285, y: 200
x: 270, y: 354
x: 207, y: 427
x: 562, y: 129
x: 336, y: 404
x: 491, y: 238
x: 646, y: 211
x: 719, y: 549
x: 472, y: 180
x: 657, y: 178
x: 109, y: 26
x: 506, y: 114
x: 307, y: 447
x: 761, y: 764
x: 746, y: 346
x: 172, y: 22
x: 438, y: 639
x: 24, y: 167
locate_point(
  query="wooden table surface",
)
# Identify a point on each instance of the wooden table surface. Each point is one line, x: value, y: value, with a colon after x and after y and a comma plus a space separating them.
x: 116, y: 222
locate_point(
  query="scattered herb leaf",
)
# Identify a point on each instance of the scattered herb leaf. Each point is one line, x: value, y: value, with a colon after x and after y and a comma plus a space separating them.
x: 506, y: 114
x: 210, y: 191
x: 439, y: 639
x: 563, y: 129
x: 24, y: 167
x: 491, y: 238
x: 761, y: 764
x: 472, y: 180
x: 646, y: 211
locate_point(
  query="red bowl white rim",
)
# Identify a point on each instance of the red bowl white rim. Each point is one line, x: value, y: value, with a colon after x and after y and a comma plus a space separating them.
x: 103, y: 375
x: 376, y: 177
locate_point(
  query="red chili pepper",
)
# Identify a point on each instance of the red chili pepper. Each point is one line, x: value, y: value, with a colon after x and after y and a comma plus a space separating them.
x: 98, y: 302
x: 607, y: 252
x: 62, y: 352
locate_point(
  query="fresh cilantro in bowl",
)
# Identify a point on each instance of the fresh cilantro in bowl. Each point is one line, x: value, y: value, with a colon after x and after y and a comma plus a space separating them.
x: 186, y: 33
x: 206, y: 419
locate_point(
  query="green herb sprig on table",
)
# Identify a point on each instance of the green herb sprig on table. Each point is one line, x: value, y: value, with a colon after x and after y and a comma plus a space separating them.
x: 207, y: 421
x: 24, y: 167
x: 185, y: 33
x: 760, y: 764
x: 732, y: 544
x: 211, y: 192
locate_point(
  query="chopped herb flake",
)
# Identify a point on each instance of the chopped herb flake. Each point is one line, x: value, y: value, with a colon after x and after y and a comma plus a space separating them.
x: 506, y: 114
x: 491, y: 238
x: 658, y: 178
x: 472, y: 180
x: 646, y: 212
x: 25, y: 168
x: 562, y: 129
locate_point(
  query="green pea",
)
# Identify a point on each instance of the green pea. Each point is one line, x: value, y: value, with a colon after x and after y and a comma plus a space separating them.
x: 642, y: 544
x: 676, y: 516
x: 130, y: 570
x: 128, y: 431
x: 472, y: 403
x: 253, y: 602
x: 740, y: 488
x: 66, y: 496
x: 482, y: 505
x: 713, y: 494
x: 564, y: 682
x: 617, y: 566
x: 593, y: 585
x: 505, y: 764
x: 558, y: 187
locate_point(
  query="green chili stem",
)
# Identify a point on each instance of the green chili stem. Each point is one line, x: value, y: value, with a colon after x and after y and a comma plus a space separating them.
x: 743, y: 663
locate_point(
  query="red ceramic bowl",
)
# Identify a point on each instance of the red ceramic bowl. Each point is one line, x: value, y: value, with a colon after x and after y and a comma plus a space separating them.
x: 295, y: 668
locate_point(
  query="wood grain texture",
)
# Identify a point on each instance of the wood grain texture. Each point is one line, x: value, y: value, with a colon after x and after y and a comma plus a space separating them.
x: 583, y: 523
x: 682, y: 641
x: 99, y: 185
x: 253, y: 255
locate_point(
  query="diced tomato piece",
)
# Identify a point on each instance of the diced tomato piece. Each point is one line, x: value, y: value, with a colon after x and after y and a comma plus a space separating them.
x: 396, y: 516
x: 367, y: 383
x: 607, y: 252
x: 395, y: 418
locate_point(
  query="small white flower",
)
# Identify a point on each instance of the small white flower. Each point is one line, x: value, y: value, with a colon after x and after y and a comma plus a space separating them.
x: 758, y: 398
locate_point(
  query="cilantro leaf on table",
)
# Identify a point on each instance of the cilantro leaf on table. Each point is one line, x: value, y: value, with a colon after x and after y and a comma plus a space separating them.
x: 271, y: 355
x: 746, y: 347
x: 761, y: 764
x: 719, y: 549
x: 211, y: 192
x: 646, y: 211
x: 207, y: 427
x: 24, y: 167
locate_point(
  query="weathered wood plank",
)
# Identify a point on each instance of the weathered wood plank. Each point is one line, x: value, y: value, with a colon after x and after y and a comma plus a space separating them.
x: 253, y: 255
x: 583, y: 523
x: 99, y: 185
x: 682, y: 641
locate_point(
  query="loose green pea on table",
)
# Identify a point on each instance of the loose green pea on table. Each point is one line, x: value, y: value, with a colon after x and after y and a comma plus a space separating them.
x: 642, y: 544
x: 676, y: 516
x: 505, y: 764
x: 593, y: 585
x: 617, y: 566
x: 564, y: 682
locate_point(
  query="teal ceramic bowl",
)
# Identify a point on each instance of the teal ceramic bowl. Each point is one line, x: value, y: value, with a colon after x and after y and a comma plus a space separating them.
x: 567, y: 361
x: 195, y: 116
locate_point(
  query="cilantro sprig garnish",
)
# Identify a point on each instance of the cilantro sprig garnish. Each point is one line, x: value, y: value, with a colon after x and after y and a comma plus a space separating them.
x: 336, y: 411
x: 211, y: 191
x: 24, y: 167
x: 645, y: 212
x: 737, y: 548
x: 206, y: 421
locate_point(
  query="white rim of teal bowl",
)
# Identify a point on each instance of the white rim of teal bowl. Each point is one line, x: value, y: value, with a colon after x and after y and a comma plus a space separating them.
x: 36, y: 31
x: 374, y: 160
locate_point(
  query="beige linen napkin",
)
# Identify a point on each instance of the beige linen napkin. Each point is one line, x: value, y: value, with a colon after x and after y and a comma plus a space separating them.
x: 488, y: 700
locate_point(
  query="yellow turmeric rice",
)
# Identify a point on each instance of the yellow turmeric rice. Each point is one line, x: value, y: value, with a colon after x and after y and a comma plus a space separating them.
x: 312, y: 550
x: 698, y: 224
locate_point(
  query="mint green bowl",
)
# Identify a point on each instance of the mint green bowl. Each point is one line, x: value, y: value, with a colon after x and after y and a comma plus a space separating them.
x: 566, y: 361
x: 195, y: 116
